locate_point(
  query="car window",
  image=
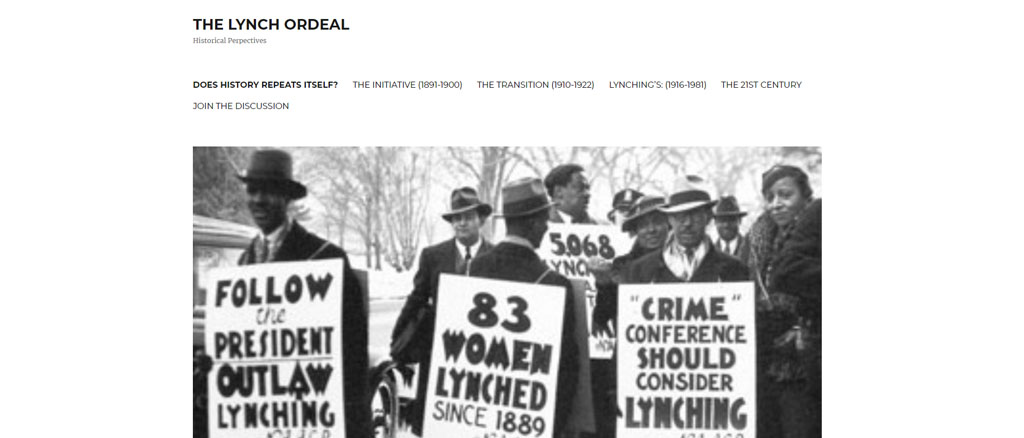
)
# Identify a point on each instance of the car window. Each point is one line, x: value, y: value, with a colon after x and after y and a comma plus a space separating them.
x: 205, y: 258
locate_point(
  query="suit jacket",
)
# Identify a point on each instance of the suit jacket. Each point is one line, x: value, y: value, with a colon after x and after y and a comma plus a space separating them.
x: 607, y: 305
x: 512, y: 262
x: 435, y: 260
x: 300, y: 245
x: 737, y: 250
x: 555, y: 217
x: 715, y: 267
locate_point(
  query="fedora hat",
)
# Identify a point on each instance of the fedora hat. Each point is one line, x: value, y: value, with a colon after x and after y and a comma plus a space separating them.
x: 465, y: 199
x: 643, y: 207
x: 689, y: 198
x: 274, y: 168
x: 523, y: 197
x: 728, y: 207
x: 623, y: 200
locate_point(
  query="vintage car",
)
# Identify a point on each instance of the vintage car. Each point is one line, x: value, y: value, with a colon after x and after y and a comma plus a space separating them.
x: 218, y: 243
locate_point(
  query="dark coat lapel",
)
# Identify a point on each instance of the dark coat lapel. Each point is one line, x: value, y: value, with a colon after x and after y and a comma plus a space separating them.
x: 291, y: 247
x: 446, y: 256
x: 708, y: 270
x: 714, y: 267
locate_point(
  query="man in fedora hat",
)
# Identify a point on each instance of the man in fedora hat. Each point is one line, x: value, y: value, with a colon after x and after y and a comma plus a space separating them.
x: 727, y: 221
x: 689, y: 255
x: 467, y: 215
x: 570, y: 190
x: 270, y: 188
x: 525, y: 209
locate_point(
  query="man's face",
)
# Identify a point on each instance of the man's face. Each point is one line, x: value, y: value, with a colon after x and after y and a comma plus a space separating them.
x: 574, y: 198
x: 467, y: 227
x: 688, y: 227
x: 652, y: 230
x: 728, y: 227
x: 268, y: 206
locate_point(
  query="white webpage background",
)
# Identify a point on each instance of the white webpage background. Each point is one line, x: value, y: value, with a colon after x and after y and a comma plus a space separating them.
x: 916, y: 106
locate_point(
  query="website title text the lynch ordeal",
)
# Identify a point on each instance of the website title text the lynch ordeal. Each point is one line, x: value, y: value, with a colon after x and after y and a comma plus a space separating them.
x: 269, y: 24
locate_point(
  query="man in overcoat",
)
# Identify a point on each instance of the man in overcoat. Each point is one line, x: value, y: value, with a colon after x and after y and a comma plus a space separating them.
x: 452, y: 256
x: 525, y: 210
x: 689, y: 256
x: 270, y: 188
x: 727, y: 221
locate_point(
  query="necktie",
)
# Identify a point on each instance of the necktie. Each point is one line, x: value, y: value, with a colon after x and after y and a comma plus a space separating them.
x: 262, y: 251
x: 462, y: 266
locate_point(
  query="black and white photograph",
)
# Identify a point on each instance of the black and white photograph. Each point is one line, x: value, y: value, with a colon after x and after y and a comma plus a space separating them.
x: 507, y: 292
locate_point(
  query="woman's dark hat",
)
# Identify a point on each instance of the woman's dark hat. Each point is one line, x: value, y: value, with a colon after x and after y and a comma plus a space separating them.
x: 523, y: 197
x: 273, y: 167
x: 690, y: 198
x: 623, y: 200
x: 728, y: 207
x: 465, y: 199
x: 644, y: 206
x: 780, y: 171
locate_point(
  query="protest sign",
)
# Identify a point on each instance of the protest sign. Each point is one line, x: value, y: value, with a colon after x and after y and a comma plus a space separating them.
x: 566, y: 248
x: 687, y: 360
x: 274, y: 334
x: 494, y: 365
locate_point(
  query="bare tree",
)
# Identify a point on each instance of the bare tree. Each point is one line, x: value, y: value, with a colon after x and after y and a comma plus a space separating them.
x: 378, y: 193
x: 635, y: 168
x: 216, y: 191
x: 405, y: 199
x: 722, y: 167
x: 490, y: 168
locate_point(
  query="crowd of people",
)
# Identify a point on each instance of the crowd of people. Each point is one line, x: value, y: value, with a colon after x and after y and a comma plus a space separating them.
x: 780, y: 254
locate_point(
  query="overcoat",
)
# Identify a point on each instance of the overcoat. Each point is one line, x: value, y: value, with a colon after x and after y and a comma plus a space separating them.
x: 715, y: 267
x: 434, y: 261
x: 513, y: 262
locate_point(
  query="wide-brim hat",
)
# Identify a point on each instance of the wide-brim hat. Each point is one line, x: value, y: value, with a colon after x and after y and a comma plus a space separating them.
x: 624, y: 199
x: 643, y: 207
x: 523, y: 197
x: 686, y: 200
x: 728, y: 207
x: 465, y: 199
x: 273, y: 167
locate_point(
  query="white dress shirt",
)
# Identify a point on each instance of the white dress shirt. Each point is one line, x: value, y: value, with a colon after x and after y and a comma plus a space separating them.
x: 675, y: 258
x: 275, y: 239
